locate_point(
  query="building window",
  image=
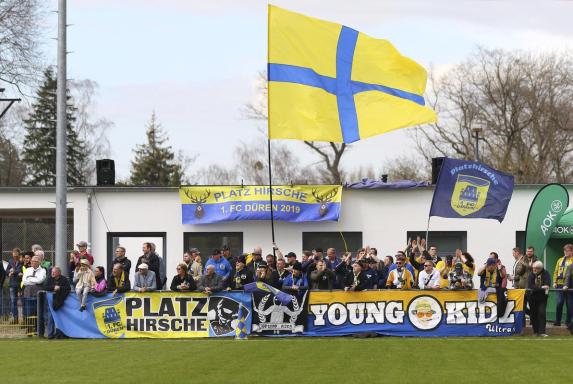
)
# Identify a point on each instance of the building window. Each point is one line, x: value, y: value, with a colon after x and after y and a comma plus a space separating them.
x: 341, y: 241
x: 446, y: 241
x: 520, y: 240
x: 207, y: 241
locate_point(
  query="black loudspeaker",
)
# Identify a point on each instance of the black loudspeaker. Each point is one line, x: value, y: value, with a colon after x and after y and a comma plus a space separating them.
x: 436, y: 166
x: 105, y: 172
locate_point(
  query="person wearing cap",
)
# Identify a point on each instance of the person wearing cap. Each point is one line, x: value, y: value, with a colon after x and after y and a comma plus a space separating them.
x: 254, y: 259
x: 122, y: 259
x: 490, y: 282
x: 151, y: 258
x: 230, y: 258
x: 292, y: 261
x: 538, y: 283
x: 196, y: 269
x: 242, y: 274
x: 85, y: 281
x: 266, y: 275
x: 118, y: 281
x: 210, y: 282
x: 369, y: 269
x: 296, y: 282
x: 356, y: 280
x: 322, y: 278
x: 83, y: 251
x: 145, y: 280
x: 182, y: 281
x: 32, y: 280
x: 222, y: 266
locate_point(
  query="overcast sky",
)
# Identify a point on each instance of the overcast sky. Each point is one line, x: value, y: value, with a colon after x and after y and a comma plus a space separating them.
x: 195, y: 63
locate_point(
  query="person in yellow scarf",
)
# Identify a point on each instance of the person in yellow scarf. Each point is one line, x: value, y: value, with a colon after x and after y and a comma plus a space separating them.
x: 118, y: 282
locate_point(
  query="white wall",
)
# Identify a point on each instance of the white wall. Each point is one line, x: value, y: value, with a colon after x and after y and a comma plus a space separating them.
x: 383, y: 216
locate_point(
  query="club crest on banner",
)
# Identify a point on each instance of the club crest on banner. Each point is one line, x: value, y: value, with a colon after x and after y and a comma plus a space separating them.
x: 109, y: 317
x: 469, y: 195
x: 223, y: 315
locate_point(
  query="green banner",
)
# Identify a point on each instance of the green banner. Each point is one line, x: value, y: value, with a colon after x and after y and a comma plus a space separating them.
x: 546, y: 210
x: 564, y: 228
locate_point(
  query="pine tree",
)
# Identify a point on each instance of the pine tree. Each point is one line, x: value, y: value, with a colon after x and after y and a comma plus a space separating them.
x: 39, y: 153
x: 155, y: 162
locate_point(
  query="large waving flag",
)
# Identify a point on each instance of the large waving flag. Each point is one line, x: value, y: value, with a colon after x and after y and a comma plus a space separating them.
x: 328, y: 82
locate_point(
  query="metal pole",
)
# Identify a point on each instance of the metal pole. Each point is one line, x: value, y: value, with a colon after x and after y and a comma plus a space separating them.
x: 271, y: 197
x: 477, y: 146
x: 61, y: 171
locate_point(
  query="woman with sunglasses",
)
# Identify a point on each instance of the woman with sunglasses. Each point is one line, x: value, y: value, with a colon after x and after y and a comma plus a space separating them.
x: 182, y: 282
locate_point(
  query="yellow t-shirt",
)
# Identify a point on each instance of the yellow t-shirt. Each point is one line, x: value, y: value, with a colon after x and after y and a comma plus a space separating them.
x: 444, y: 282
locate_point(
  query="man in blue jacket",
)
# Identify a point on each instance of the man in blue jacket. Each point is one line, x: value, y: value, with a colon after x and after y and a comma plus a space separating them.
x: 296, y: 282
x: 222, y: 266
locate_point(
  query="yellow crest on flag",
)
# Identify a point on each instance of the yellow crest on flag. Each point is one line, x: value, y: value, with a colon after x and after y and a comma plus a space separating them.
x: 109, y: 317
x: 469, y: 195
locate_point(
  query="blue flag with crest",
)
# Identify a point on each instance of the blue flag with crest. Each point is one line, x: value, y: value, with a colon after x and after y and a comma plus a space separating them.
x: 467, y: 189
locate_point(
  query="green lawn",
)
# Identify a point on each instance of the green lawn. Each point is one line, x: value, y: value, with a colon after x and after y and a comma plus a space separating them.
x: 289, y: 360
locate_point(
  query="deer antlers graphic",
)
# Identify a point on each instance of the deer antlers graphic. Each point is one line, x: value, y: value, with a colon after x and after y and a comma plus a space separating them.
x: 198, y: 200
x: 325, y: 198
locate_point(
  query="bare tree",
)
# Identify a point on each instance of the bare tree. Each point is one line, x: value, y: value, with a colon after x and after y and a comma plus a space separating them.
x: 406, y: 168
x: 330, y: 154
x: 91, y: 129
x: 19, y: 50
x: 523, y: 103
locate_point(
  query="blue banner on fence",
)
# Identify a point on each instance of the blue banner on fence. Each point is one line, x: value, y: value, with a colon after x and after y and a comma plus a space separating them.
x: 412, y: 313
x: 466, y: 189
x: 298, y: 203
x: 154, y: 314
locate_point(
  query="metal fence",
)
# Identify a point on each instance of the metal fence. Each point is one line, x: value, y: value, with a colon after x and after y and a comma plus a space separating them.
x: 24, y: 232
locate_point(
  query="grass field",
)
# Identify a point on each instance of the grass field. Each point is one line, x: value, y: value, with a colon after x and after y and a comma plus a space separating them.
x: 289, y: 360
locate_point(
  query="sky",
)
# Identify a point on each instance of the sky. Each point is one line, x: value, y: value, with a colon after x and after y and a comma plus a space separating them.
x: 195, y: 63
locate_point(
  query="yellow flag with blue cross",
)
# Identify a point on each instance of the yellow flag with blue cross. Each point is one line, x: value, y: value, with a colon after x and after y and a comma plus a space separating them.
x: 329, y: 82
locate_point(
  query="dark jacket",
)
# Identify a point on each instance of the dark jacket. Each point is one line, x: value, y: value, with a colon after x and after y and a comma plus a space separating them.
x: 240, y: 278
x: 60, y: 295
x: 362, y: 281
x: 177, y: 280
x: 323, y: 280
x: 112, y: 285
x: 282, y: 276
x: 2, y: 273
x: 535, y: 282
x: 125, y: 262
x: 154, y: 264
x: 15, y: 280
x: 372, y: 276
x: 569, y: 277
x: 215, y: 282
x: 271, y: 279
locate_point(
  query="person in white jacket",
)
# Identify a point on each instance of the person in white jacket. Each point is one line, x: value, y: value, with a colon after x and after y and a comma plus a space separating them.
x: 85, y: 282
x: 429, y: 278
x: 32, y: 281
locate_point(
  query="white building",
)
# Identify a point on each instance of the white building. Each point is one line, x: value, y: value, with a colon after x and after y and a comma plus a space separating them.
x: 108, y: 216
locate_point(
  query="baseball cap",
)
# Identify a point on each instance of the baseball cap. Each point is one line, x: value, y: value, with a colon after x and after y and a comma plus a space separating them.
x: 194, y: 250
x: 291, y: 254
x: 143, y: 266
x: 491, y: 261
x: 82, y: 244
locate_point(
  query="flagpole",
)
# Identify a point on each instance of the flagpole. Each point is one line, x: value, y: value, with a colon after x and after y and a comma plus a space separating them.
x: 427, y: 232
x: 269, y: 129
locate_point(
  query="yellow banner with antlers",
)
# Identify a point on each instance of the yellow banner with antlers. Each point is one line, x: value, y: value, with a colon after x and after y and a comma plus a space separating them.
x: 298, y: 203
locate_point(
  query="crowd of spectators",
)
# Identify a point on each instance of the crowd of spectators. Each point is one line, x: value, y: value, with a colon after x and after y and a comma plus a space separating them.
x: 415, y: 267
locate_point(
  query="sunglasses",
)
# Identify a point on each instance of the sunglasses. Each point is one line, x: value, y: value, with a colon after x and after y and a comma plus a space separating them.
x: 421, y: 315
